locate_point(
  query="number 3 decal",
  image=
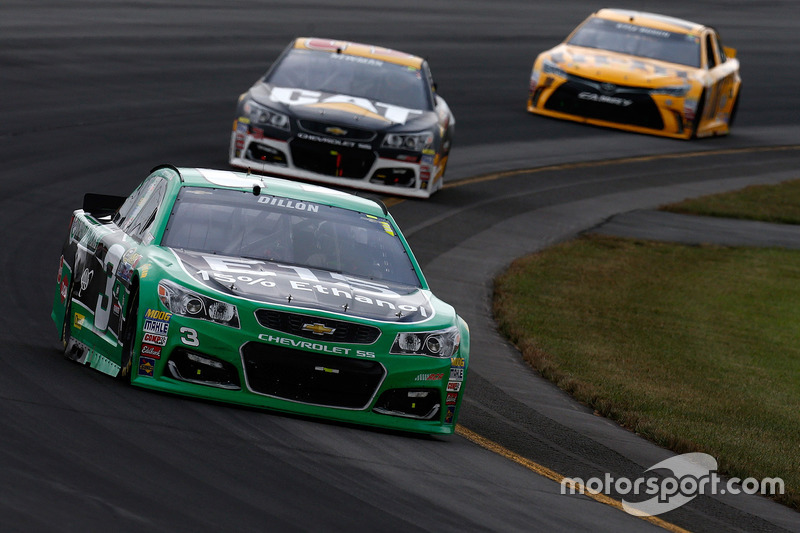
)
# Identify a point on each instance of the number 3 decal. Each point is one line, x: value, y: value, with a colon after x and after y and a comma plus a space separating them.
x: 189, y: 337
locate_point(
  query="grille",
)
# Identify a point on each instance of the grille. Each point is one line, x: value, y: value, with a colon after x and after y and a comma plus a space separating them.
x: 350, y: 134
x: 401, y: 177
x: 311, y: 377
x: 203, y: 369
x: 331, y: 160
x: 292, y: 323
x: 410, y: 403
x: 262, y: 153
x: 642, y: 112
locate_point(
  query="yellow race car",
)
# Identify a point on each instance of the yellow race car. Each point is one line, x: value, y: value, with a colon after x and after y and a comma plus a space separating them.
x: 639, y: 72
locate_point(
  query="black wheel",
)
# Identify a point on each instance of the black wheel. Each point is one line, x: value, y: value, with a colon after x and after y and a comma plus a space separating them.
x: 128, y: 337
x: 735, y: 109
x: 698, y: 114
x: 66, y: 327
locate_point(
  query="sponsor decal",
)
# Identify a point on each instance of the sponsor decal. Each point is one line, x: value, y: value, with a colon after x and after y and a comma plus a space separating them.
x: 336, y: 130
x: 318, y: 329
x: 335, y: 142
x: 145, y: 270
x: 127, y: 265
x: 450, y: 414
x: 288, y: 203
x: 453, y: 386
x: 457, y: 362
x: 308, y: 345
x: 424, y: 173
x: 608, y: 88
x: 268, y: 281
x: 77, y: 323
x: 125, y: 272
x: 643, y: 30
x: 456, y: 374
x: 155, y: 326
x: 603, y: 99
x: 64, y: 288
x: 151, y: 351
x: 152, y: 338
x: 146, y: 366
x: 155, y: 314
x: 316, y: 346
x: 156, y: 321
x: 86, y: 279
x: 430, y: 377
x: 88, y: 236
x: 452, y: 398
x: 292, y: 97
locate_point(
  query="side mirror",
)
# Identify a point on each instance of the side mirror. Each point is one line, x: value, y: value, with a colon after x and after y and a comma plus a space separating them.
x: 730, y: 53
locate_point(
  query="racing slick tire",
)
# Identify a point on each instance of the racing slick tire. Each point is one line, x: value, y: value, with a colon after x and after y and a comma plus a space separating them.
x: 698, y: 114
x: 128, y: 338
x: 735, y: 108
x: 66, y: 327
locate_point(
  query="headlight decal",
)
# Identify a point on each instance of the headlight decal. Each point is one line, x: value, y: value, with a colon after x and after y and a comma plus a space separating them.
x: 183, y: 302
x: 415, y: 142
x: 259, y: 114
x: 548, y: 67
x: 442, y: 343
x: 677, y: 91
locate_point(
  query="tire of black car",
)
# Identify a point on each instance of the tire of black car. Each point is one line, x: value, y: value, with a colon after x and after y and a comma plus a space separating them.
x: 128, y: 337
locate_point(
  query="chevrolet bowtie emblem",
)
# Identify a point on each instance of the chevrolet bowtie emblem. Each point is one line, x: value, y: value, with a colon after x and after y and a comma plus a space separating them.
x: 318, y: 329
x: 333, y: 130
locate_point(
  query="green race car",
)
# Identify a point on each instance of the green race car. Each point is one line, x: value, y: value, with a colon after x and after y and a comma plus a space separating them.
x: 262, y: 292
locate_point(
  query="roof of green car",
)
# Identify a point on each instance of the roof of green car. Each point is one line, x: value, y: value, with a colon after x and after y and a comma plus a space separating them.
x: 200, y: 177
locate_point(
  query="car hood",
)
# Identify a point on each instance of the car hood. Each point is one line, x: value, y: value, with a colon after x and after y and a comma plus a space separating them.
x: 339, y: 108
x: 300, y: 287
x: 618, y: 68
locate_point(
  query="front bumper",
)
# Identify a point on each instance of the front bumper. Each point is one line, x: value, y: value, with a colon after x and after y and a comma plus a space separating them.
x: 627, y: 108
x: 315, y: 158
x: 357, y: 383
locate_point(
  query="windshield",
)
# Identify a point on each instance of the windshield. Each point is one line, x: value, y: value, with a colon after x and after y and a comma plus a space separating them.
x: 639, y: 41
x: 288, y: 231
x: 354, y: 76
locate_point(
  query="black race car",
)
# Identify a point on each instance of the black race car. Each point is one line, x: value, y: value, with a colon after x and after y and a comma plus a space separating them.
x: 347, y: 114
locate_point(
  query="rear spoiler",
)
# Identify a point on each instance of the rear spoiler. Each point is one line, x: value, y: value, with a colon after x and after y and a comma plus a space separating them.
x: 102, y: 205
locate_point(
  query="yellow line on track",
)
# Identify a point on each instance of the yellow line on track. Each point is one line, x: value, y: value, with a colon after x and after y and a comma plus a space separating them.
x: 390, y: 201
x: 619, y: 161
x: 555, y: 476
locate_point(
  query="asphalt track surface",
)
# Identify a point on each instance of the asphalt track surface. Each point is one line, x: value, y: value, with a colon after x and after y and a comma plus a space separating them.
x: 94, y: 93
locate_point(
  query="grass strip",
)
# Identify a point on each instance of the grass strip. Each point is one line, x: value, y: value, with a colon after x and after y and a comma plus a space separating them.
x: 693, y: 347
x: 767, y: 203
